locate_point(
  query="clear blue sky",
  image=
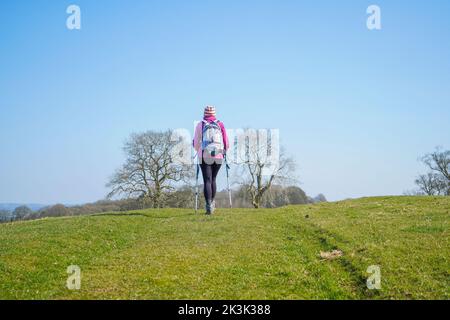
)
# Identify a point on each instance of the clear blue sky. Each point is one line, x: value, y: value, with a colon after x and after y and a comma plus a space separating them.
x: 355, y: 107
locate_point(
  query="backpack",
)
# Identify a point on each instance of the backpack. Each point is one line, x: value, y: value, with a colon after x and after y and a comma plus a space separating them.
x: 212, y: 139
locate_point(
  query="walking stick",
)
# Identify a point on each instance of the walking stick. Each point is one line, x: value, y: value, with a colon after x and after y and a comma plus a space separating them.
x: 227, y: 166
x: 196, y: 187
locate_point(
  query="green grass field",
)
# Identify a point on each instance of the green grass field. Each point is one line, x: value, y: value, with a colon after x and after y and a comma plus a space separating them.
x: 235, y: 254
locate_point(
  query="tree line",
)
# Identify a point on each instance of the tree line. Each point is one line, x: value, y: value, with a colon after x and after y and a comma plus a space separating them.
x: 179, y: 198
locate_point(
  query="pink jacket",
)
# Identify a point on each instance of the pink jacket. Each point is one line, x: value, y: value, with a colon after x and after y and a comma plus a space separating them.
x: 197, y: 143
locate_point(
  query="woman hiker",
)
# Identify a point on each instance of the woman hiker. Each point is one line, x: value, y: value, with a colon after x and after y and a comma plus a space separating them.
x: 211, y: 144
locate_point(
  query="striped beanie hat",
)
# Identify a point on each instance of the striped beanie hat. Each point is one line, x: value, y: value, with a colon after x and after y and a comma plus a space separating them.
x: 210, y: 111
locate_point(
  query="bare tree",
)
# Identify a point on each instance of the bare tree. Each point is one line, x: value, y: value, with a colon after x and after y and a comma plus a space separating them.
x: 150, y: 170
x: 58, y: 210
x: 437, y: 181
x: 5, y: 215
x: 426, y: 183
x: 22, y: 213
x: 259, y: 169
x: 439, y: 161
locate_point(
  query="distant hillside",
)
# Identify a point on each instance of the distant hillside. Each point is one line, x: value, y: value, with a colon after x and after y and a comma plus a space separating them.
x: 12, y: 206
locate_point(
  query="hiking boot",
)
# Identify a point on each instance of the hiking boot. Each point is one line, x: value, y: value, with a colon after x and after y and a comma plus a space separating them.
x: 213, y: 206
x: 208, y: 209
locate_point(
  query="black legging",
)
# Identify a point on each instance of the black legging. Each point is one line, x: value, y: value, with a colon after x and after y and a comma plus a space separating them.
x: 209, y: 173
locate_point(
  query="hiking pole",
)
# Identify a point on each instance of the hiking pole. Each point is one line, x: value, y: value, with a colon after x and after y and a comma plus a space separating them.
x: 196, y: 187
x: 227, y: 166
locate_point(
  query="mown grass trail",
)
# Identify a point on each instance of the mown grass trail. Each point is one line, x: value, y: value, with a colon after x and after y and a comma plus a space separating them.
x: 236, y: 254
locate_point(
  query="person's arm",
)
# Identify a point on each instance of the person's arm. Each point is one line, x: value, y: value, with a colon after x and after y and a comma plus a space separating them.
x: 197, y: 142
x: 226, y: 144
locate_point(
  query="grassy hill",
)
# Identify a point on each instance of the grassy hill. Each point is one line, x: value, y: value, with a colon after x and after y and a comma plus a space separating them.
x: 235, y: 254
